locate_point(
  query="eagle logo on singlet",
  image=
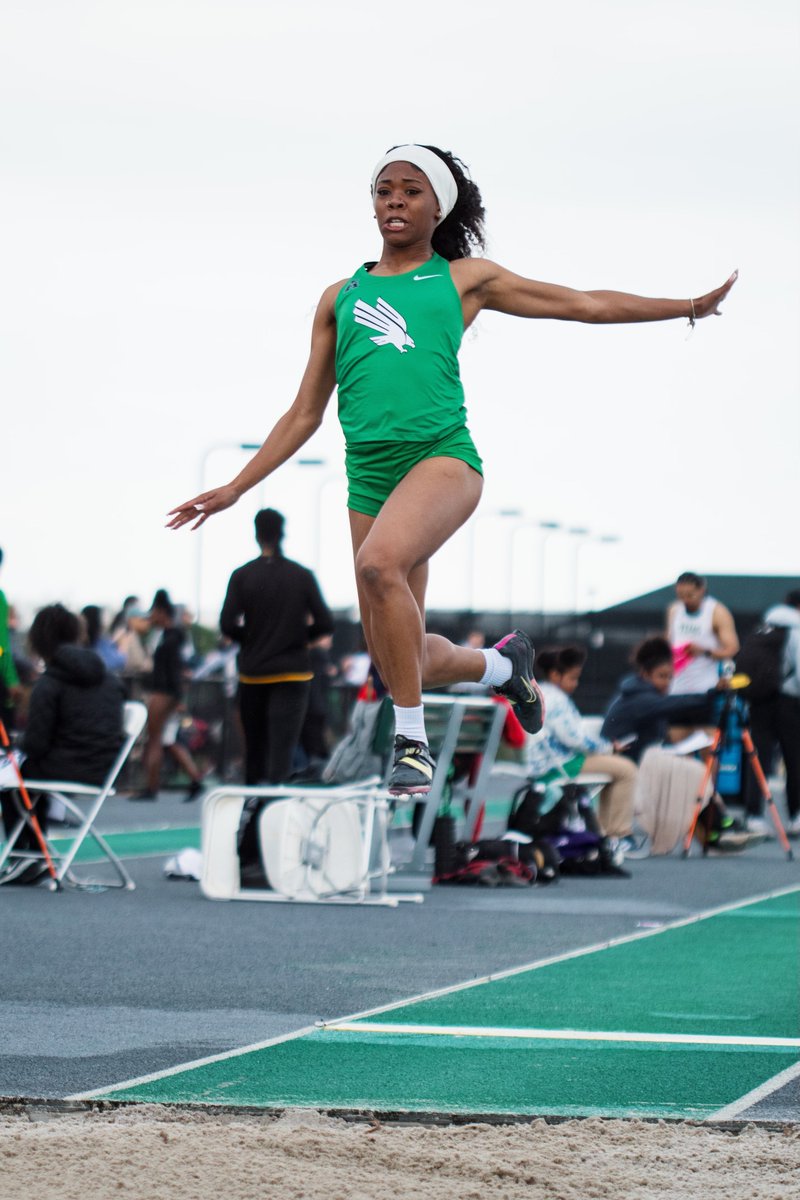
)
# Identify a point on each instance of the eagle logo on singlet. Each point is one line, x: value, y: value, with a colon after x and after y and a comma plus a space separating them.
x: 391, y: 326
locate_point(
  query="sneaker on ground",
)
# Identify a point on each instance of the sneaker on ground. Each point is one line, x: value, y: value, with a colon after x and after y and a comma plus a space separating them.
x: 793, y: 826
x: 635, y: 845
x: 735, y: 839
x: 754, y: 824
x: 412, y: 772
x: 521, y: 690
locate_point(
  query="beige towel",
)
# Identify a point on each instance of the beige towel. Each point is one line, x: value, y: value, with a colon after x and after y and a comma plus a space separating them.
x: 666, y: 793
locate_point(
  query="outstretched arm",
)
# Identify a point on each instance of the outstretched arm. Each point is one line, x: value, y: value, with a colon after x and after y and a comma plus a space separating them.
x: 288, y: 434
x: 484, y: 284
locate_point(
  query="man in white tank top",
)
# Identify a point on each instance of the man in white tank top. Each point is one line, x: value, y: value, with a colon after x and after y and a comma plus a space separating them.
x: 701, y: 632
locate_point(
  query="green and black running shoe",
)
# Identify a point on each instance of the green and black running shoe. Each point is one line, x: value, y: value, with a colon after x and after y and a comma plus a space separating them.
x: 522, y: 689
x: 412, y: 773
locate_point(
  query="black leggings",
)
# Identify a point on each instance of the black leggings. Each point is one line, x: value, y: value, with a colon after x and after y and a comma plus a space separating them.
x: 775, y: 725
x: 272, y: 717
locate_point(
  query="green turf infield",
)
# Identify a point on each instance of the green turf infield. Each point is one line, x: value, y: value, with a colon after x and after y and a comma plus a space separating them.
x: 732, y: 975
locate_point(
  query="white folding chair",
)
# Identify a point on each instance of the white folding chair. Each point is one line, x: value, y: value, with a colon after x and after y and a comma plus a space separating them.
x: 70, y: 794
x: 318, y: 845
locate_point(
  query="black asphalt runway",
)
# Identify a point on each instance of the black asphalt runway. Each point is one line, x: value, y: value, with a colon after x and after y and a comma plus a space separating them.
x: 98, y: 988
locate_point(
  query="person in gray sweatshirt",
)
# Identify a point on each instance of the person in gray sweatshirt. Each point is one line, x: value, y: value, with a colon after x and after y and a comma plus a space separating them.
x: 775, y: 721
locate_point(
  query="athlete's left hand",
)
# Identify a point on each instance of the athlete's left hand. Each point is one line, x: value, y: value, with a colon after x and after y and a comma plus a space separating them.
x: 708, y: 305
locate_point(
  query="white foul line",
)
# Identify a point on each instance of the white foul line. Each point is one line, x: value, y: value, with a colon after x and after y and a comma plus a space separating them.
x: 560, y: 1035
x: 191, y: 1066
x: 760, y: 1093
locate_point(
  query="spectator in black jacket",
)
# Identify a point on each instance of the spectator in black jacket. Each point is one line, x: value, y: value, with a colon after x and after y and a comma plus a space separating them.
x: 165, y: 702
x: 75, y: 718
x: 274, y: 609
x: 642, y: 707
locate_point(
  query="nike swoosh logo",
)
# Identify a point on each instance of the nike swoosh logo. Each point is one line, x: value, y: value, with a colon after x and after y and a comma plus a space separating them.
x: 422, y: 767
x: 418, y: 277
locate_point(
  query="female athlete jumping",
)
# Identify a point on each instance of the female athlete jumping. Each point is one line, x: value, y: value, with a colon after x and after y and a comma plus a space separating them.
x: 388, y: 338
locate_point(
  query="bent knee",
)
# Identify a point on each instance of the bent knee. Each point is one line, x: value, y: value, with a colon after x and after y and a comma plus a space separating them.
x: 378, y: 576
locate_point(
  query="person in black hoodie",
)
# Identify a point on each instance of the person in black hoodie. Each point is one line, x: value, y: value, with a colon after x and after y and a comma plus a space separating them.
x: 642, y: 707
x: 274, y: 609
x: 75, y: 717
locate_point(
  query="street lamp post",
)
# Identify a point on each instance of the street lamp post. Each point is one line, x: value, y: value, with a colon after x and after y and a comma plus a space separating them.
x: 521, y: 527
x: 333, y: 477
x: 604, y: 539
x: 582, y: 536
x: 549, y: 528
x: 499, y: 512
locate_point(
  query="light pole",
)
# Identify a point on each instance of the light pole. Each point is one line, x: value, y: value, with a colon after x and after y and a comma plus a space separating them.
x: 548, y: 528
x: 498, y: 512
x: 521, y: 527
x: 606, y: 539
x: 248, y: 447
x: 333, y: 477
x: 582, y: 536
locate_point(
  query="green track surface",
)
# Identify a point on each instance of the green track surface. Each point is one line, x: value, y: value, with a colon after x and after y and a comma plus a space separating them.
x: 473, y: 1075
x: 735, y: 973
x: 141, y: 843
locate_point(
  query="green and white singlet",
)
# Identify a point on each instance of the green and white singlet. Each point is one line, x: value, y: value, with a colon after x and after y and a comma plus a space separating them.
x: 397, y: 345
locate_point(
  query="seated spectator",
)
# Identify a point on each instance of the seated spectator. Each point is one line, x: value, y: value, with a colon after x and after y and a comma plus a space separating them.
x: 669, y: 785
x: 120, y: 620
x: 75, y: 717
x: 563, y: 749
x: 643, y: 708
x: 130, y: 641
x: 97, y: 640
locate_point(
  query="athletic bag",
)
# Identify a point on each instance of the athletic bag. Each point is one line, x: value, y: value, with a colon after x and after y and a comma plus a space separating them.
x: 761, y: 657
x: 490, y: 862
x: 570, y: 829
x: 364, y: 749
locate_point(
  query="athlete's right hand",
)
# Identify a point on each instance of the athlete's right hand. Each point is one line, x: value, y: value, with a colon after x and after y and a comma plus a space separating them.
x: 202, y: 507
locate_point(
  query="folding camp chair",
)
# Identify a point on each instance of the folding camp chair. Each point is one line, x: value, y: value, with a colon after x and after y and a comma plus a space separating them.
x: 318, y: 845
x: 70, y: 794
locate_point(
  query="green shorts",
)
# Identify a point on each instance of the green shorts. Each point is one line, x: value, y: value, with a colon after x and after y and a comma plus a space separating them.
x: 374, y: 469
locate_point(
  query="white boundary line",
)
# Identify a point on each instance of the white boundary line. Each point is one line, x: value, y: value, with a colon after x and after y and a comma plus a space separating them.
x: 760, y: 1093
x: 432, y: 995
x: 562, y: 1035
x: 190, y: 1066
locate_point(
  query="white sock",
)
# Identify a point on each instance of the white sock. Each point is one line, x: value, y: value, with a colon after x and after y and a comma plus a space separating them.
x: 498, y: 668
x: 410, y: 723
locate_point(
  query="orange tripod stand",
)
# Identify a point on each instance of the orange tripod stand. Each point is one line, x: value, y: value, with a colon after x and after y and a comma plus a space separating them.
x: 713, y: 762
x: 30, y: 815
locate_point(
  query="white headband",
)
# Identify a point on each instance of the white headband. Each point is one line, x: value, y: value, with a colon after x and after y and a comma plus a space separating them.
x: 436, y: 169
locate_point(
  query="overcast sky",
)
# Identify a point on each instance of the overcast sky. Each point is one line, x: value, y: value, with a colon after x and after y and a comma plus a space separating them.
x: 181, y: 179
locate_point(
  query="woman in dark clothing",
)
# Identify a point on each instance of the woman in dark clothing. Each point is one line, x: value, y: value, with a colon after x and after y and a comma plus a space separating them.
x: 642, y: 707
x: 75, y: 718
x: 165, y: 701
x: 274, y: 609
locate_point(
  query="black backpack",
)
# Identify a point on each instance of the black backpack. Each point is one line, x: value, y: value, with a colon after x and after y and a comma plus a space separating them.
x: 761, y: 658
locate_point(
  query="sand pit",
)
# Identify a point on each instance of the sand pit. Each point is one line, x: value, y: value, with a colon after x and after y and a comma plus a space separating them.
x: 154, y: 1153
